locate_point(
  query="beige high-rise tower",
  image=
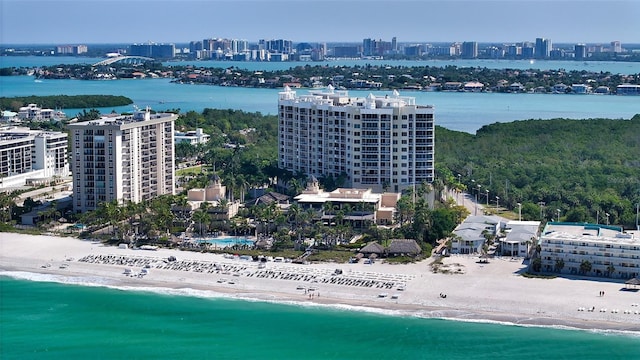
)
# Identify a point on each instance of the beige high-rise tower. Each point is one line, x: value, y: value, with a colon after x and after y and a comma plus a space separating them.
x: 123, y: 158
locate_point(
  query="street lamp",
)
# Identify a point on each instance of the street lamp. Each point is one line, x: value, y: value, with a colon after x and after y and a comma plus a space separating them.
x: 637, y: 211
x: 607, y: 215
x: 458, y: 187
x: 475, y: 210
x: 541, y: 203
x: 519, y: 212
x: 497, y: 202
x: 558, y: 218
x: 487, y: 190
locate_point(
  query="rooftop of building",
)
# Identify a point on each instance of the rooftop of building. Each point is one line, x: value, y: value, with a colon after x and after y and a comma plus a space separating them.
x: 588, y: 233
x: 339, y: 195
x: 521, y: 231
x: 331, y: 96
x: 121, y: 119
x: 472, y: 227
x: 19, y: 132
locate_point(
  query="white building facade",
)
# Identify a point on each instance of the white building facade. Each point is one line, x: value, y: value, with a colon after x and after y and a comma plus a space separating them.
x: 378, y: 142
x: 609, y: 250
x: 471, y: 235
x: 28, y: 155
x: 32, y: 112
x: 520, y: 238
x: 194, y: 137
x: 123, y: 158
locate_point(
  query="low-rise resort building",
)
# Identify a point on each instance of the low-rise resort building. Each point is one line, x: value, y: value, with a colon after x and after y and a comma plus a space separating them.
x: 590, y: 250
x: 357, y: 206
x: 31, y: 157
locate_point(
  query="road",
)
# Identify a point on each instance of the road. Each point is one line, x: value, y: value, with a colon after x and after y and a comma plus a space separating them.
x: 47, y: 193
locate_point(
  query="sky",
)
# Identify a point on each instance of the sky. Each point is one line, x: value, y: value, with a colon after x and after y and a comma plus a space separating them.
x: 417, y: 21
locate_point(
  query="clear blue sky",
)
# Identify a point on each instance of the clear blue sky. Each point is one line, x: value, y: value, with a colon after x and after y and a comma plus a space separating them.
x: 173, y: 21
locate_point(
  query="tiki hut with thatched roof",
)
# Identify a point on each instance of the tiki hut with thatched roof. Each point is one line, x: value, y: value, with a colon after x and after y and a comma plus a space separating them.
x: 404, y: 247
x: 372, y: 248
x: 632, y: 283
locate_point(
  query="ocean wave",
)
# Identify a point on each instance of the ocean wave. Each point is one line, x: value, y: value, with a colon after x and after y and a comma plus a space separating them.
x: 532, y: 325
x: 441, y: 314
x: 62, y: 279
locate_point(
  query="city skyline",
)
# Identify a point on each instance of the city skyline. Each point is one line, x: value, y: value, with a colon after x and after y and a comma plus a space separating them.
x: 171, y: 21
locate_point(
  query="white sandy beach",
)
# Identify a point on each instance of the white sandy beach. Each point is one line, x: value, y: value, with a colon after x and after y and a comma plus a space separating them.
x: 493, y: 291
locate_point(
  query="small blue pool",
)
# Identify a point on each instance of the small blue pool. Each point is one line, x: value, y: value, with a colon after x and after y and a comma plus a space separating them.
x: 222, y: 242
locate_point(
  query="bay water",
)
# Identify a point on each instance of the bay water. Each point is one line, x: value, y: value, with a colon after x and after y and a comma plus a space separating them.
x: 614, y: 67
x: 42, y: 318
x: 454, y: 110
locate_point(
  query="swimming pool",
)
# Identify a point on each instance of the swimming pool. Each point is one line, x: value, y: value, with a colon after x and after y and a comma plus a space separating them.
x: 222, y: 242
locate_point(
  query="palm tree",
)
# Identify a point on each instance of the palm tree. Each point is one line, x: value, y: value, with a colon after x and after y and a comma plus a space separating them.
x: 7, y: 202
x: 111, y: 213
x: 536, y: 264
x: 294, y: 213
x: 585, y: 267
x: 406, y: 209
x: 201, y: 217
x: 241, y: 184
x: 182, y: 203
x: 163, y: 215
x: 327, y: 208
x: 559, y: 265
x: 295, y: 185
x: 610, y: 270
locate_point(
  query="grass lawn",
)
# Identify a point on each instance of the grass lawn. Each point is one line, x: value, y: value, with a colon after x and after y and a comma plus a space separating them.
x: 194, y: 170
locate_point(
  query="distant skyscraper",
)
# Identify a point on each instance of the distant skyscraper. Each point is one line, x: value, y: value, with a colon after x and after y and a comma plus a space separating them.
x: 527, y: 50
x: 281, y: 46
x: 469, y: 49
x: 71, y: 49
x: 616, y: 47
x: 543, y: 48
x: 153, y: 50
x: 580, y: 52
x: 394, y: 44
x: 368, y: 46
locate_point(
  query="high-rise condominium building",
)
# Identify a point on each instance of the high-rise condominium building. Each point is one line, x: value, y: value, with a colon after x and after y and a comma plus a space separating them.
x: 378, y: 142
x: 153, y: 50
x: 616, y: 46
x: 543, y: 48
x: 469, y: 49
x: 580, y: 51
x: 123, y: 158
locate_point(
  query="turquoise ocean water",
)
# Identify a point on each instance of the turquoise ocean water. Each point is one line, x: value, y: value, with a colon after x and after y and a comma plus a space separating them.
x: 49, y: 320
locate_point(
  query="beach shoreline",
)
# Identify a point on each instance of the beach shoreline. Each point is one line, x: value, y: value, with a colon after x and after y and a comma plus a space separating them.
x: 493, y: 292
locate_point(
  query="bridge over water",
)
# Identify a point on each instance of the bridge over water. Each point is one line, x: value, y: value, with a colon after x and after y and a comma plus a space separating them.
x: 133, y: 60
